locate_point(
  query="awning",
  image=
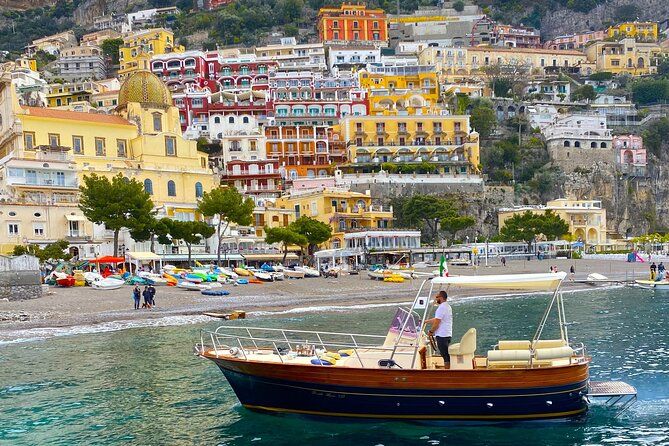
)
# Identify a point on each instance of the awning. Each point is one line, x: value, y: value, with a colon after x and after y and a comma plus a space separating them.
x: 184, y: 257
x: 543, y: 281
x: 143, y: 256
x: 257, y: 257
x: 75, y: 218
x: 336, y: 252
x: 109, y: 259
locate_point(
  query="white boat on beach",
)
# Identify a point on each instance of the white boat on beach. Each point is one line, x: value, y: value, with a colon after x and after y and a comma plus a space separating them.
x: 108, y: 284
x: 277, y: 275
x: 190, y: 286
x: 291, y: 274
x: 308, y: 271
x: 596, y: 279
x: 267, y: 277
x: 91, y: 277
x: 156, y: 279
x: 228, y: 272
x: 376, y: 274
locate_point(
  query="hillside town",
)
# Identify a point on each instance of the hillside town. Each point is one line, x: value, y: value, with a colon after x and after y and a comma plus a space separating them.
x: 343, y: 128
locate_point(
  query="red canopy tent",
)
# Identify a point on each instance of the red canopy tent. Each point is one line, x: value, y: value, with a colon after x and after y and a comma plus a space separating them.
x: 108, y: 260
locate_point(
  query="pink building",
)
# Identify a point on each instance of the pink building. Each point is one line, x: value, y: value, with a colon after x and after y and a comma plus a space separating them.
x: 574, y: 41
x: 630, y: 153
x: 517, y: 36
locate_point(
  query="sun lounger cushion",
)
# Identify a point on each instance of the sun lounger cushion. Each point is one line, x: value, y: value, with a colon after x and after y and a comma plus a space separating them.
x: 553, y: 353
x: 549, y: 343
x: 508, y: 355
x: 513, y: 345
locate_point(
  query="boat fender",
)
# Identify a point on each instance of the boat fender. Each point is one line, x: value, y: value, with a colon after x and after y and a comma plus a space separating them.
x: 319, y: 361
x: 346, y: 352
x: 333, y: 355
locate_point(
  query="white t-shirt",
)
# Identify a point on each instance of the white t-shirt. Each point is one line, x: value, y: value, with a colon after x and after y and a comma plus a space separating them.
x: 445, y: 314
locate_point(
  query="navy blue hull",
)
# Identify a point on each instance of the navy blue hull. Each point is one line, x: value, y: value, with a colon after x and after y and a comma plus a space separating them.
x: 413, y: 404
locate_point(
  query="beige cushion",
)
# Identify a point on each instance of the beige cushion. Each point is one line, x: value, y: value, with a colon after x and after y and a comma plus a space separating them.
x: 466, y: 346
x: 549, y: 343
x: 513, y: 345
x: 553, y: 353
x: 508, y: 355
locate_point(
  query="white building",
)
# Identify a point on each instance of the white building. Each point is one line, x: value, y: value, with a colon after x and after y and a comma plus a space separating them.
x: 240, y: 136
x: 293, y: 56
x: 579, y: 138
x: 346, y: 57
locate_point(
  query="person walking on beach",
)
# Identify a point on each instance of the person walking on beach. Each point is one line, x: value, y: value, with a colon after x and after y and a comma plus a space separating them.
x: 653, y: 271
x: 572, y: 273
x: 136, y: 296
x: 442, y: 326
x: 152, y: 292
x: 147, y: 297
x: 503, y: 260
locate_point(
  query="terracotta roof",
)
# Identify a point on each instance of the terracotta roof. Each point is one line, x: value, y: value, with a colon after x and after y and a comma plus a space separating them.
x: 43, y: 112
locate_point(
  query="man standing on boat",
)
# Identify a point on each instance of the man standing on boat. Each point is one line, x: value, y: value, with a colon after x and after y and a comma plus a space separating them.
x: 442, y: 326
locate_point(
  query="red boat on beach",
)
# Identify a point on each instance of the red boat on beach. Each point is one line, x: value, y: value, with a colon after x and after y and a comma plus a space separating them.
x: 65, y: 281
x: 402, y: 376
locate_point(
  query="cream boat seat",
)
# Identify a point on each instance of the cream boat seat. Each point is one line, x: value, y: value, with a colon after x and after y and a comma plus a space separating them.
x: 462, y: 353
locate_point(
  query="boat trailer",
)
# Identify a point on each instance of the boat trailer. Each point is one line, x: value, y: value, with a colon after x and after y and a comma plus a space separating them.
x: 614, y: 394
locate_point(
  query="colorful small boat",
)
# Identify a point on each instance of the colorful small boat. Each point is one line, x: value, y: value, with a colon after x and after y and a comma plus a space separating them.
x: 108, y: 283
x: 242, y: 272
x: 308, y: 271
x: 261, y: 275
x: 65, y: 282
x: 216, y: 292
x: 190, y: 286
x: 242, y: 281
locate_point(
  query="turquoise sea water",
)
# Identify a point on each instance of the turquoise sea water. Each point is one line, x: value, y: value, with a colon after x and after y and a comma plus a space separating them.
x: 144, y: 386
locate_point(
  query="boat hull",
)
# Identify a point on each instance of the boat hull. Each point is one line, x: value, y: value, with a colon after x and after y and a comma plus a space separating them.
x: 527, y: 394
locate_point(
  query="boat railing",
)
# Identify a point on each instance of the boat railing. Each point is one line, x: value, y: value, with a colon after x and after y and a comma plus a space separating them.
x: 242, y: 340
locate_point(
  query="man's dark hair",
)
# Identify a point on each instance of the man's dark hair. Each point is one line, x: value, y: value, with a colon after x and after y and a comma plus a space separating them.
x: 443, y: 294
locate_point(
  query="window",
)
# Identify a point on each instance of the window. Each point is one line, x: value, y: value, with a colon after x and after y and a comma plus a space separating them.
x: 231, y: 120
x: 171, y: 189
x: 198, y: 190
x: 170, y: 146
x: 121, y: 146
x: 29, y: 140
x: 38, y: 229
x: 54, y: 139
x: 217, y: 120
x: 245, y: 119
x: 100, y: 147
x: 157, y: 122
x: 253, y: 146
x: 78, y: 145
x: 148, y: 186
x: 13, y: 229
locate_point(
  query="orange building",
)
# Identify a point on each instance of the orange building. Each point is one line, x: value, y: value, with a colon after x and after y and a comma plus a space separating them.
x: 304, y: 150
x: 353, y: 24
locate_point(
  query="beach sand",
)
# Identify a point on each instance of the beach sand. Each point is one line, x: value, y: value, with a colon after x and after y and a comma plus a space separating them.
x: 67, y: 307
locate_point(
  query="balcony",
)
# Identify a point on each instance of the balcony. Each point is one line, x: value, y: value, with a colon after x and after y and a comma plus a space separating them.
x: 70, y: 183
x: 252, y: 173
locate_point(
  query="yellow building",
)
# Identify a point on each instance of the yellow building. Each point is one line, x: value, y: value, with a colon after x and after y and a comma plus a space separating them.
x: 625, y: 56
x: 406, y: 89
x: 586, y: 218
x: 340, y: 208
x: 471, y: 60
x: 142, y: 140
x: 138, y: 48
x: 66, y: 93
x: 641, y: 31
x: 448, y: 142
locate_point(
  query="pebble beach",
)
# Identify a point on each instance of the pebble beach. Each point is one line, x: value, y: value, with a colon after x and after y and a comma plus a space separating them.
x: 84, y: 306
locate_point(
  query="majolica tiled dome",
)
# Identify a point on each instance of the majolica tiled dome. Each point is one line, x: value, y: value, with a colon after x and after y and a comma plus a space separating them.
x: 146, y: 88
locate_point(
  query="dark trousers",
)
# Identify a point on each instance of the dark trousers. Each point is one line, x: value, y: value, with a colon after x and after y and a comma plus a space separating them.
x: 136, y: 304
x: 442, y: 345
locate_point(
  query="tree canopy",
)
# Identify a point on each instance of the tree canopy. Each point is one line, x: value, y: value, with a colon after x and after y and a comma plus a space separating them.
x: 315, y: 232
x: 483, y: 120
x: 431, y: 214
x: 286, y: 236
x: 228, y: 206
x: 110, y: 49
x: 56, y: 250
x: 117, y: 203
x: 527, y: 226
x: 189, y: 232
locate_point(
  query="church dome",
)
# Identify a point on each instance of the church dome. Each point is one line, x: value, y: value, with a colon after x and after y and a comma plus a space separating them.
x: 146, y: 88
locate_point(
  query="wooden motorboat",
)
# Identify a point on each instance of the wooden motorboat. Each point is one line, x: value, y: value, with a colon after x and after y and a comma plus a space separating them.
x: 242, y: 272
x: 402, y: 376
x: 291, y: 274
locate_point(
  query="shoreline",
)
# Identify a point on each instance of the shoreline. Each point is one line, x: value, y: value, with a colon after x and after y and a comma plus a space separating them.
x: 72, y: 308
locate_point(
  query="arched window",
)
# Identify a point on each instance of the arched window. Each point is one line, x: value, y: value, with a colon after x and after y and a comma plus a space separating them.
x: 157, y: 122
x: 567, y: 144
x: 198, y: 190
x: 217, y: 120
x: 148, y: 186
x: 171, y: 189
x: 593, y: 145
x: 577, y: 144
x: 245, y: 119
x: 231, y: 119
x: 603, y: 145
